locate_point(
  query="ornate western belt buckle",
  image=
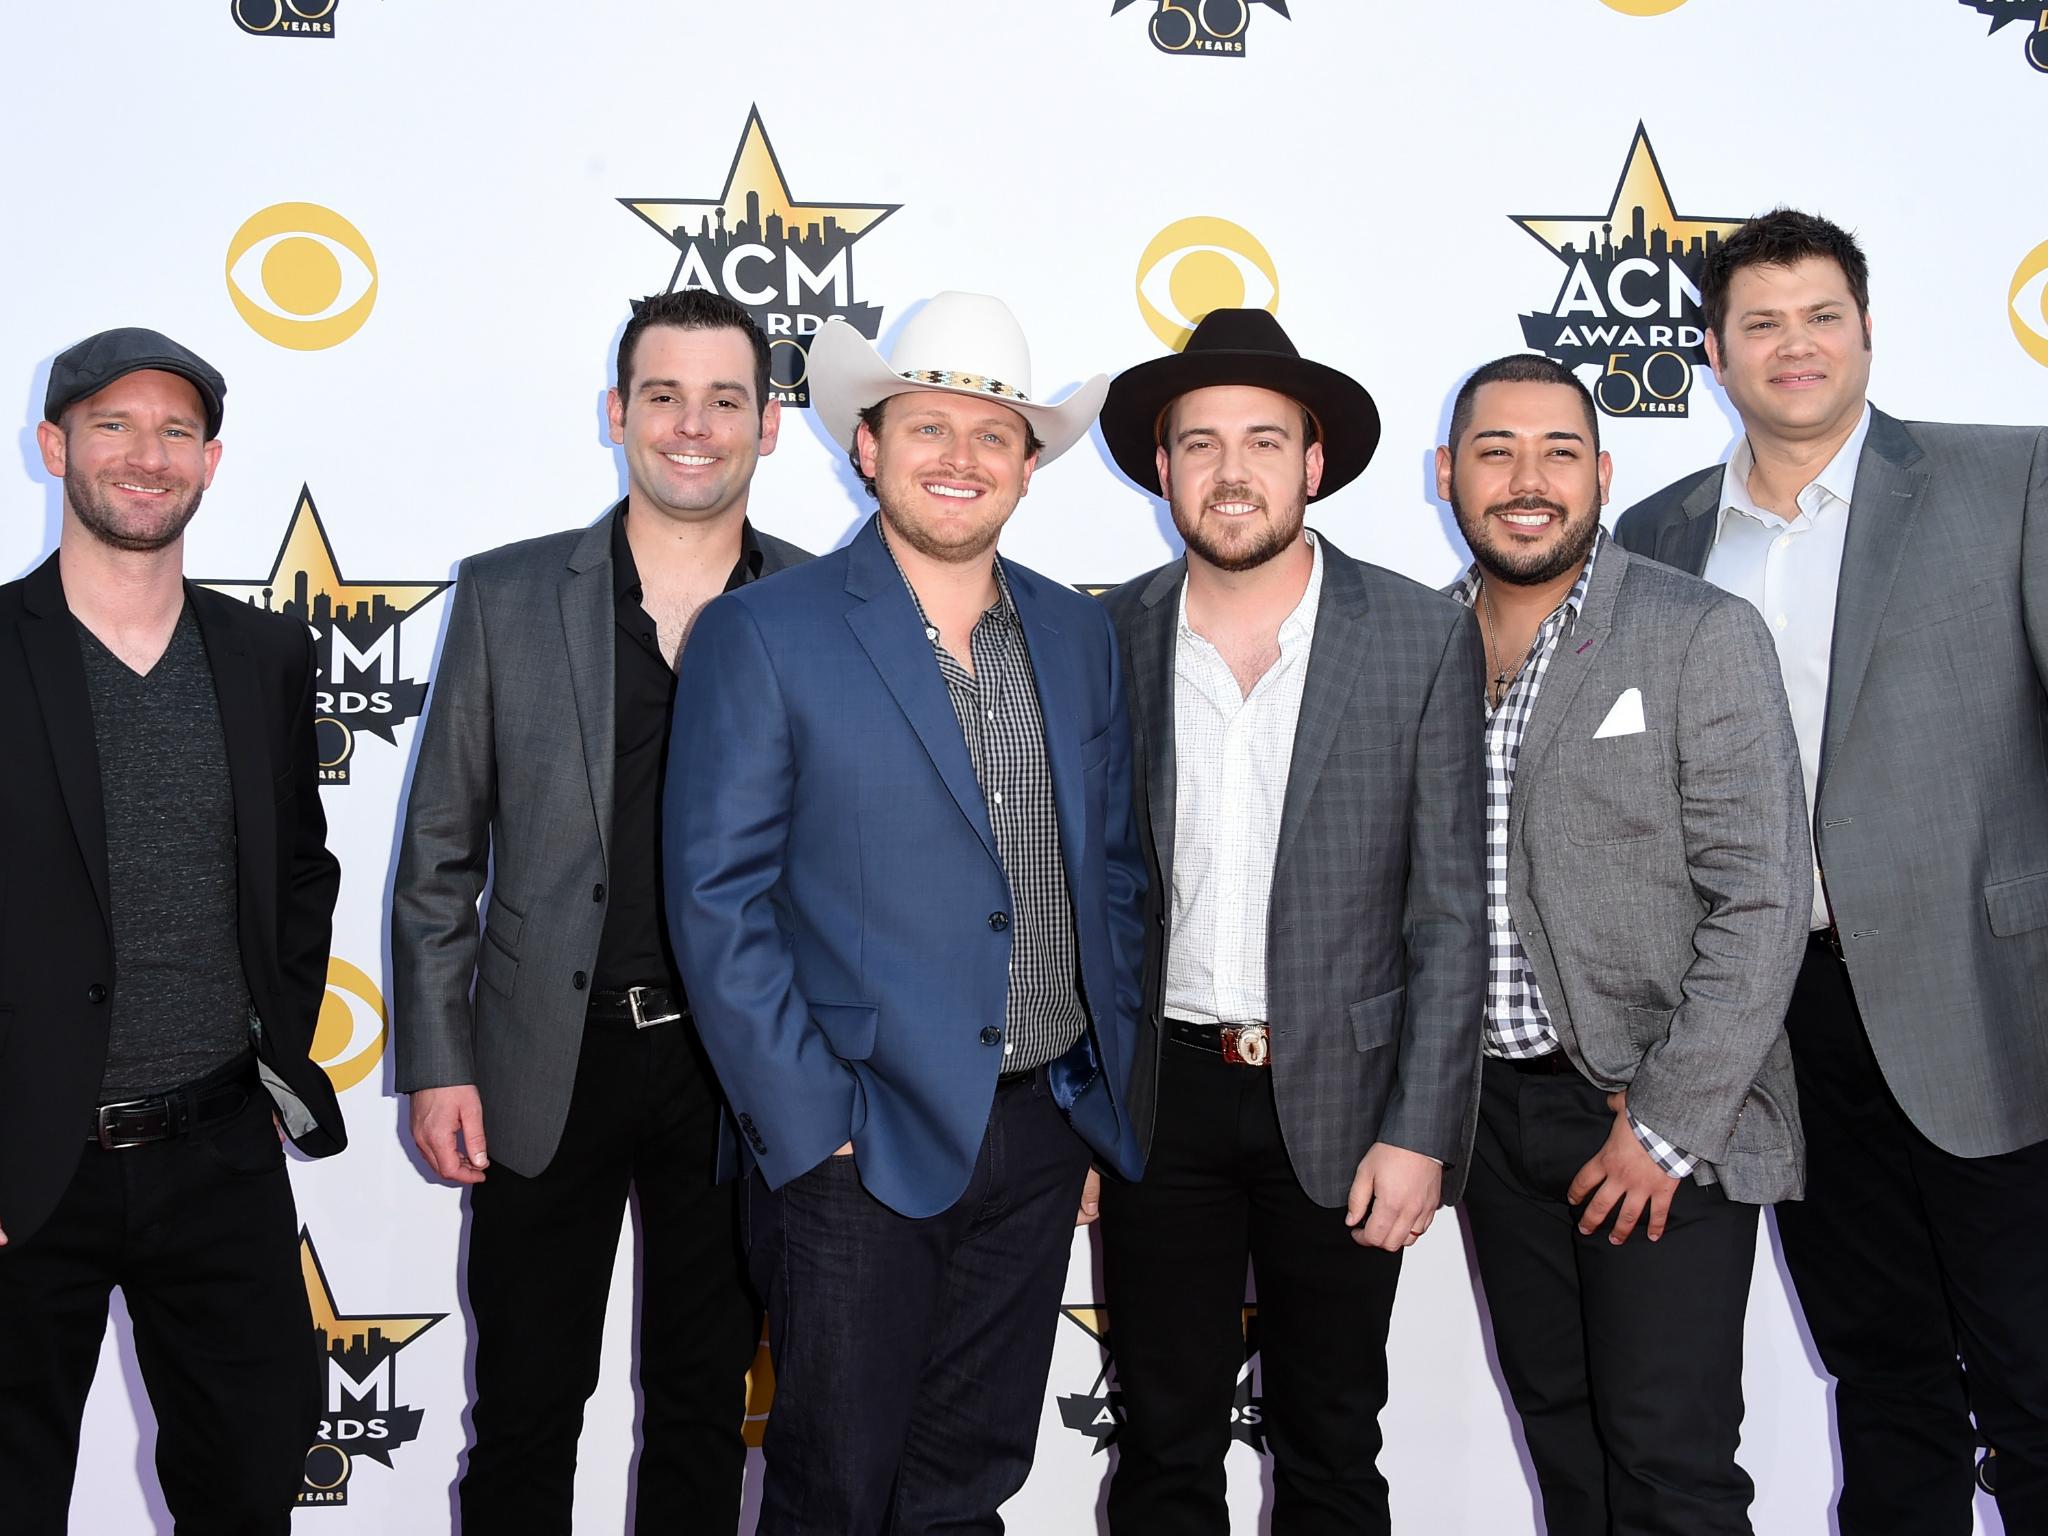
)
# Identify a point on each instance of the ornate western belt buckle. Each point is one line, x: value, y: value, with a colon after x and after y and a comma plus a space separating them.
x: 1245, y: 1045
x: 642, y: 1020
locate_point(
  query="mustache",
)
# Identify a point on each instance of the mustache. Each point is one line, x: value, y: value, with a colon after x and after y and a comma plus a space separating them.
x: 1527, y: 504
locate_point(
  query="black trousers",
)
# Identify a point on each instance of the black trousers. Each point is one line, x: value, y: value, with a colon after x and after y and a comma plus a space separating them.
x: 202, y: 1238
x: 1218, y: 1190
x: 911, y: 1353
x: 643, y: 1120
x: 1624, y: 1362
x: 1906, y: 1257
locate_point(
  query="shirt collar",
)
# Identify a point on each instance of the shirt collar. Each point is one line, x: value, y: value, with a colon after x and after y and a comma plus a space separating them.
x: 626, y: 574
x: 1835, y: 482
x: 1300, y: 624
x: 1466, y: 588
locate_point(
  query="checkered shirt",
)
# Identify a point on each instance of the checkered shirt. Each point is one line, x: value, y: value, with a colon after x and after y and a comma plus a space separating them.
x: 1518, y: 1025
x: 997, y: 707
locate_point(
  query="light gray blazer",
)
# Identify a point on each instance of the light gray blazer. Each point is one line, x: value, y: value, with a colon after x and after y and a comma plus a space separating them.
x: 1659, y: 879
x: 1376, y: 932
x: 514, y: 777
x: 1932, y: 807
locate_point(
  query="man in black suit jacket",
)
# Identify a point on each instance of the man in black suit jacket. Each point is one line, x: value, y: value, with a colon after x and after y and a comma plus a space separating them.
x: 164, y: 921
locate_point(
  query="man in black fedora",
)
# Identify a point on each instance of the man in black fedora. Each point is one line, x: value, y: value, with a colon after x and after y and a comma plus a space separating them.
x: 1309, y: 769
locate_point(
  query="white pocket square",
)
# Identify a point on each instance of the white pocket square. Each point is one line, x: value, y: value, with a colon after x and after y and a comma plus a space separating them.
x: 1626, y: 718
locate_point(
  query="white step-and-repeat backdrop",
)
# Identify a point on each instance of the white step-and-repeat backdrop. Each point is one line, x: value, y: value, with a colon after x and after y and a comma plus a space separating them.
x: 406, y: 230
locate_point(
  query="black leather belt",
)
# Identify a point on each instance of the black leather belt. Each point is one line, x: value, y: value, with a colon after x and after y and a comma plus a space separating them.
x: 1551, y: 1064
x: 197, y: 1106
x: 1241, y: 1045
x: 641, y: 1007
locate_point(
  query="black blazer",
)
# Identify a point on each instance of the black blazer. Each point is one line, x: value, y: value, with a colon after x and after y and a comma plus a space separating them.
x: 56, y: 944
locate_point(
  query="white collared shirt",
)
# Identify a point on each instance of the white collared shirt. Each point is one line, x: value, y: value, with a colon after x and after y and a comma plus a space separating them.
x: 1789, y: 572
x: 1232, y: 752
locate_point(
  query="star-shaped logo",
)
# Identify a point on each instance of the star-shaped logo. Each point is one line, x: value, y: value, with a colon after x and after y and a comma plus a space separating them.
x: 1642, y: 198
x: 1278, y: 5
x: 1098, y: 1413
x: 2004, y: 13
x: 306, y: 582
x: 361, y: 1385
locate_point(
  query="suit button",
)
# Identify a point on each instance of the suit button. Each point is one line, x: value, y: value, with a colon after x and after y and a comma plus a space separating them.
x: 579, y: 981
x: 991, y: 1036
x: 1161, y: 919
x: 96, y: 993
x: 999, y: 921
x: 597, y: 892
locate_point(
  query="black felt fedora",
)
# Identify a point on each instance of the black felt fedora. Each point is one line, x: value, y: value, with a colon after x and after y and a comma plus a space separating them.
x: 1240, y: 346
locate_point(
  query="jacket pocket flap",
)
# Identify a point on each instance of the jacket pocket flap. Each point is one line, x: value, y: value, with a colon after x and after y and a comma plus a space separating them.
x: 849, y: 1028
x: 1376, y: 1020
x: 504, y: 924
x: 2017, y: 906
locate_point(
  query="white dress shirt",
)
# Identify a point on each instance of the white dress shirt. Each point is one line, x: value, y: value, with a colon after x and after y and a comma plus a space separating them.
x: 1232, y: 752
x: 1789, y: 572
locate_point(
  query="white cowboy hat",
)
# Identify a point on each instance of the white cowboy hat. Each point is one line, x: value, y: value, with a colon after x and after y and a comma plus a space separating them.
x: 958, y: 344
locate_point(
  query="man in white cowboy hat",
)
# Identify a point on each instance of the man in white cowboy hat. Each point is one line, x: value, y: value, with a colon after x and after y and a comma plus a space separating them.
x: 1309, y: 751
x: 904, y: 893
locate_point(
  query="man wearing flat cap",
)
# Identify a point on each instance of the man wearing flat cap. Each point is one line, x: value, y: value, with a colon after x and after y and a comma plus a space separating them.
x: 903, y: 893
x: 1308, y: 776
x: 163, y: 955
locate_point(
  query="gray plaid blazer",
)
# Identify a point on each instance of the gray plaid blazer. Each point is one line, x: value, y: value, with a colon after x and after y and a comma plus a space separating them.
x: 514, y: 775
x: 1932, y: 807
x: 1376, y: 935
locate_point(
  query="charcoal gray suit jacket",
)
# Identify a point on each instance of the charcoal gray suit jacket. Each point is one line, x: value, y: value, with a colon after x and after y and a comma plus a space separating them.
x: 1931, y: 815
x: 1376, y: 934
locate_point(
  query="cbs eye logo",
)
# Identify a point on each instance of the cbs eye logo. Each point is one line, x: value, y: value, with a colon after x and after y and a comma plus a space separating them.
x: 302, y: 276
x: 1195, y: 265
x: 2027, y: 303
x: 284, y: 18
x: 348, y: 1041
x: 1643, y: 7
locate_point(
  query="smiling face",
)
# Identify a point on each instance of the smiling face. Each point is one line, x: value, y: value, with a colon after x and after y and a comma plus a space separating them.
x: 1525, y: 482
x: 1793, y: 352
x: 1238, y: 470
x: 948, y: 471
x: 691, y: 428
x: 134, y: 459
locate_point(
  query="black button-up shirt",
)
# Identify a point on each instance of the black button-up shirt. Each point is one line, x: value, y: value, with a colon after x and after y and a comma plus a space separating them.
x: 634, y: 949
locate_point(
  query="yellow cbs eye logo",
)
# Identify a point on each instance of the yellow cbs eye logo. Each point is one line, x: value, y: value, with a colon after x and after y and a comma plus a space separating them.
x: 1195, y: 265
x: 1643, y: 7
x: 302, y: 276
x: 2027, y: 303
x: 348, y: 1042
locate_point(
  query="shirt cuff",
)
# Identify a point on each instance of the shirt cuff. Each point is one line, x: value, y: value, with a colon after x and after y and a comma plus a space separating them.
x: 1674, y: 1162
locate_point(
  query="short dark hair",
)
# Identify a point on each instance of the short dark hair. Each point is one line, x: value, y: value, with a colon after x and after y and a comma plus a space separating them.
x: 1519, y: 368
x: 871, y: 418
x: 693, y: 309
x: 1780, y: 238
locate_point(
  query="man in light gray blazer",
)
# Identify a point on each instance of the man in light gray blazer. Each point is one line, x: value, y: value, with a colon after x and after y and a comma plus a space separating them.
x: 1647, y: 891
x: 1903, y: 569
x: 541, y: 764
x: 1308, y: 778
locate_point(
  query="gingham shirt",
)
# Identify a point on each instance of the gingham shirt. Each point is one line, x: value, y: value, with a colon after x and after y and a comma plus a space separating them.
x: 1518, y: 1025
x: 997, y: 707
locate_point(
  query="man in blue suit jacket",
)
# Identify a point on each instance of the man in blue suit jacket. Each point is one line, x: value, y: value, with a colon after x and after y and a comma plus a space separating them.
x: 904, y: 890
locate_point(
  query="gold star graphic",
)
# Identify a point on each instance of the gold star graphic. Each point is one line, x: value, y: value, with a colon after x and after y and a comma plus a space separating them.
x: 305, y: 571
x: 1641, y: 187
x: 756, y: 191
x: 352, y: 1330
x: 1093, y: 1321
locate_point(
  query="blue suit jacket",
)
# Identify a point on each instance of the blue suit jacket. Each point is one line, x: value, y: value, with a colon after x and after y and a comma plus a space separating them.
x: 831, y: 872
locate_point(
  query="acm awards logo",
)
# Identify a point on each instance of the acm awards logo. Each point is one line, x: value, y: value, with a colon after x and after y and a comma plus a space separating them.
x: 302, y: 276
x: 348, y: 1038
x: 1098, y: 1413
x: 2004, y: 13
x: 362, y: 1412
x: 1203, y: 28
x: 1629, y: 306
x: 789, y: 263
x: 2027, y: 303
x: 285, y: 18
x: 356, y: 626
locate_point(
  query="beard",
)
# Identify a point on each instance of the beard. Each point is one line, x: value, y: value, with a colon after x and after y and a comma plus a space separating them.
x: 1245, y: 546
x: 1531, y: 568
x: 141, y: 532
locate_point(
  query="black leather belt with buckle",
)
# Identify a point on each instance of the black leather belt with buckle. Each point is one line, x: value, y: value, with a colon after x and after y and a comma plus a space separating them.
x: 1241, y: 1045
x: 1549, y: 1064
x: 642, y: 1007
x: 198, y: 1106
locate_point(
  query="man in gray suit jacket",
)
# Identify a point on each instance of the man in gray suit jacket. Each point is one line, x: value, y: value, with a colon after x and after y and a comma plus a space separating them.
x: 1903, y: 569
x: 1647, y: 895
x: 1308, y: 778
x: 542, y: 763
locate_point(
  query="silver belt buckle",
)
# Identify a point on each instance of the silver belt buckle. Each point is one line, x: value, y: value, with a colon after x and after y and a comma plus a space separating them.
x: 642, y: 1020
x: 104, y: 1134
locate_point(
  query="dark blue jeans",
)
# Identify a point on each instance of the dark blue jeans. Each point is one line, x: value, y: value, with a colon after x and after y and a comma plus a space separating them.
x: 911, y: 1355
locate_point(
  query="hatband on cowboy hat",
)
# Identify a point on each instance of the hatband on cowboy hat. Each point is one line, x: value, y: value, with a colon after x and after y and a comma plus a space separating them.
x: 957, y: 344
x: 1240, y: 346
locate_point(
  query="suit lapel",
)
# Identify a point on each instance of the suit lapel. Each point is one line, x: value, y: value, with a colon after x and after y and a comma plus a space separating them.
x: 1154, y: 631
x: 885, y: 623
x: 1566, y: 674
x: 1336, y: 661
x: 1686, y: 541
x: 589, y: 617
x: 238, y: 692
x: 51, y: 644
x: 1889, y: 496
x: 1061, y: 707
